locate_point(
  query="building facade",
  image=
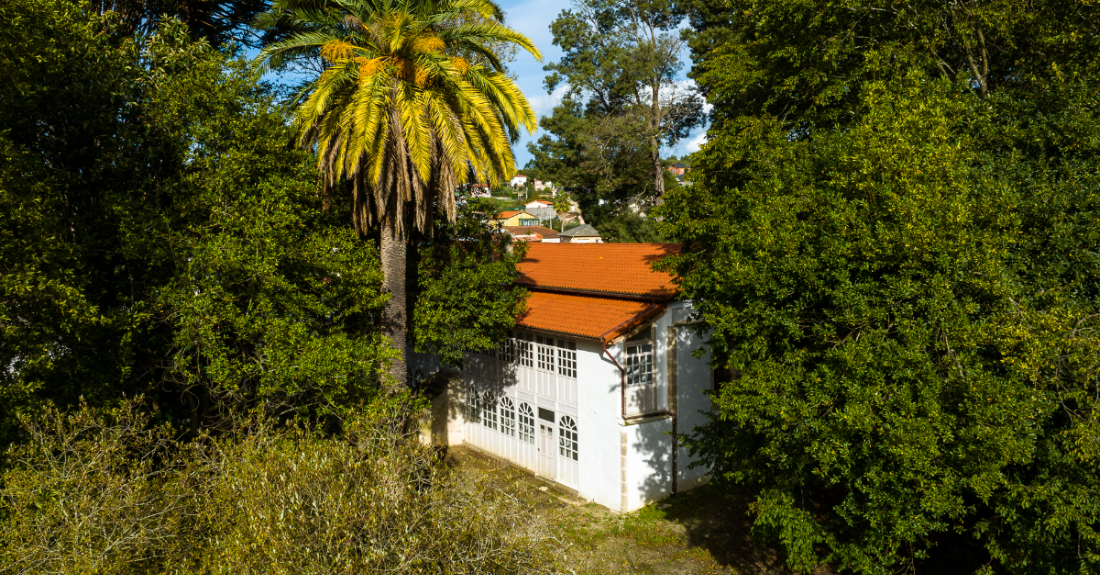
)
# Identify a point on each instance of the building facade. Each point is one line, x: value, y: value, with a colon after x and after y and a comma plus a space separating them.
x: 596, y: 381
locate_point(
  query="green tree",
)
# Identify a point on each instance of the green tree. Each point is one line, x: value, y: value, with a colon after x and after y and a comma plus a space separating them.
x: 219, y: 22
x: 622, y: 104
x: 909, y: 314
x: 623, y: 57
x: 464, y: 291
x: 889, y: 240
x: 412, y: 101
x: 160, y: 235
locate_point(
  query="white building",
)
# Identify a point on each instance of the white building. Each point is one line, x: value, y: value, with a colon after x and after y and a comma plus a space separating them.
x: 596, y: 379
x: 519, y: 180
x: 538, y: 204
x: 585, y: 234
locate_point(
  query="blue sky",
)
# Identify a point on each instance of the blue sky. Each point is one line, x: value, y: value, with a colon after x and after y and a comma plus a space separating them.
x: 533, y: 18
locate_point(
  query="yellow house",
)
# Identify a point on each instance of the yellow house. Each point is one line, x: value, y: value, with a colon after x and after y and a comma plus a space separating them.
x: 515, y: 218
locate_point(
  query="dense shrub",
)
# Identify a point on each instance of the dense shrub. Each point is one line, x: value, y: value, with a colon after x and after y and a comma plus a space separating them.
x: 110, y: 494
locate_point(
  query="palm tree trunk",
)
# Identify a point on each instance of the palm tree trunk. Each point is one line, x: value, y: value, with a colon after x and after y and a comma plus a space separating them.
x: 393, y: 248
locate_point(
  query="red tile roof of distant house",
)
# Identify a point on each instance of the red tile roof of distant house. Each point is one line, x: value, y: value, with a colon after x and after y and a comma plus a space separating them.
x: 588, y: 317
x: 543, y: 231
x: 545, y: 202
x: 614, y: 269
x: 508, y: 214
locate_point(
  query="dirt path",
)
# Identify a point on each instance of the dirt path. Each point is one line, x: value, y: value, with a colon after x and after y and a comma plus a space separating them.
x: 704, y: 531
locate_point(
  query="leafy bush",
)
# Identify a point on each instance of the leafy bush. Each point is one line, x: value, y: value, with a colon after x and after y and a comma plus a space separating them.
x: 109, y: 494
x: 169, y: 241
x: 909, y: 303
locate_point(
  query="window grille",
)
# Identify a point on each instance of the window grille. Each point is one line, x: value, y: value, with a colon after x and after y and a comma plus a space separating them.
x: 639, y: 364
x: 510, y: 350
x: 567, y: 437
x: 567, y: 358
x: 473, y: 410
x: 526, y: 423
x: 525, y: 351
x: 488, y: 411
x: 545, y: 354
x: 507, y: 417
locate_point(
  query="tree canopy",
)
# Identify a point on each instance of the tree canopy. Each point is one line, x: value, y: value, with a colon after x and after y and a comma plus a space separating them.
x: 159, y: 234
x: 890, y: 240
x: 622, y: 104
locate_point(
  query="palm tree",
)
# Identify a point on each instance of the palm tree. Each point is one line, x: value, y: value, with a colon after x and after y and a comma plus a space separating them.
x: 561, y: 206
x: 413, y: 101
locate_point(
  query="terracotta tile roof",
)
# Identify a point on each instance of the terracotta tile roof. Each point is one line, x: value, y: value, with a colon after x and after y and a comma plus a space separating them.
x: 613, y: 269
x: 543, y: 231
x: 588, y: 317
x: 508, y: 214
x: 544, y: 202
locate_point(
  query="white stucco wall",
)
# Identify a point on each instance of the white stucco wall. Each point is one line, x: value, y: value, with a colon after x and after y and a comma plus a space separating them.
x: 623, y: 465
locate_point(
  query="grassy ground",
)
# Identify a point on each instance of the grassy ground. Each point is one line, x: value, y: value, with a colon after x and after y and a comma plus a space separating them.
x: 703, y: 531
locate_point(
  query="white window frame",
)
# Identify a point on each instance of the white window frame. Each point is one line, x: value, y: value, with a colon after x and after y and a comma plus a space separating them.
x: 568, y: 442
x: 526, y: 350
x: 488, y: 411
x: 526, y: 420
x: 544, y: 352
x: 507, y: 416
x: 640, y: 362
x: 567, y: 359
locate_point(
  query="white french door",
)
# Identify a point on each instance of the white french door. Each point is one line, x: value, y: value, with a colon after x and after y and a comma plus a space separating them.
x: 547, y: 449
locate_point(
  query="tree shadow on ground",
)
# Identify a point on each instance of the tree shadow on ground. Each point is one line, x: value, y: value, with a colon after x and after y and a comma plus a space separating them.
x: 717, y: 520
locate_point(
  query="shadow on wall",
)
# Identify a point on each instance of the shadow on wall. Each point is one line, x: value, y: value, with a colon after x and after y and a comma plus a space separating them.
x: 447, y: 389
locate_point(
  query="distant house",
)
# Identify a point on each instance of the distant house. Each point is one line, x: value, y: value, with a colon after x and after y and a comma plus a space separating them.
x: 539, y: 186
x: 585, y: 234
x: 537, y: 204
x: 515, y: 218
x: 533, y: 234
x: 519, y: 180
x: 679, y: 169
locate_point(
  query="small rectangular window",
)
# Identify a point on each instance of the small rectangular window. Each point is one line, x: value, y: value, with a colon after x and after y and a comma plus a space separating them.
x: 546, y: 414
x: 545, y: 355
x: 567, y: 358
x: 526, y: 350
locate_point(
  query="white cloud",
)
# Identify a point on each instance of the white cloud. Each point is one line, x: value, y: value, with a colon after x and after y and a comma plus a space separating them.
x: 544, y: 103
x: 695, y: 142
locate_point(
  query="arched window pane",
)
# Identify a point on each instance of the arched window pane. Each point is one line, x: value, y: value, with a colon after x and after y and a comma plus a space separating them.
x: 567, y: 437
x: 526, y: 423
x: 507, y: 417
x: 473, y: 409
x: 488, y: 411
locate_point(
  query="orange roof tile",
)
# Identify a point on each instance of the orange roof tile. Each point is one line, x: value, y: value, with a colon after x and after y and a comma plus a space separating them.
x: 588, y: 317
x: 620, y: 269
x: 508, y: 214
